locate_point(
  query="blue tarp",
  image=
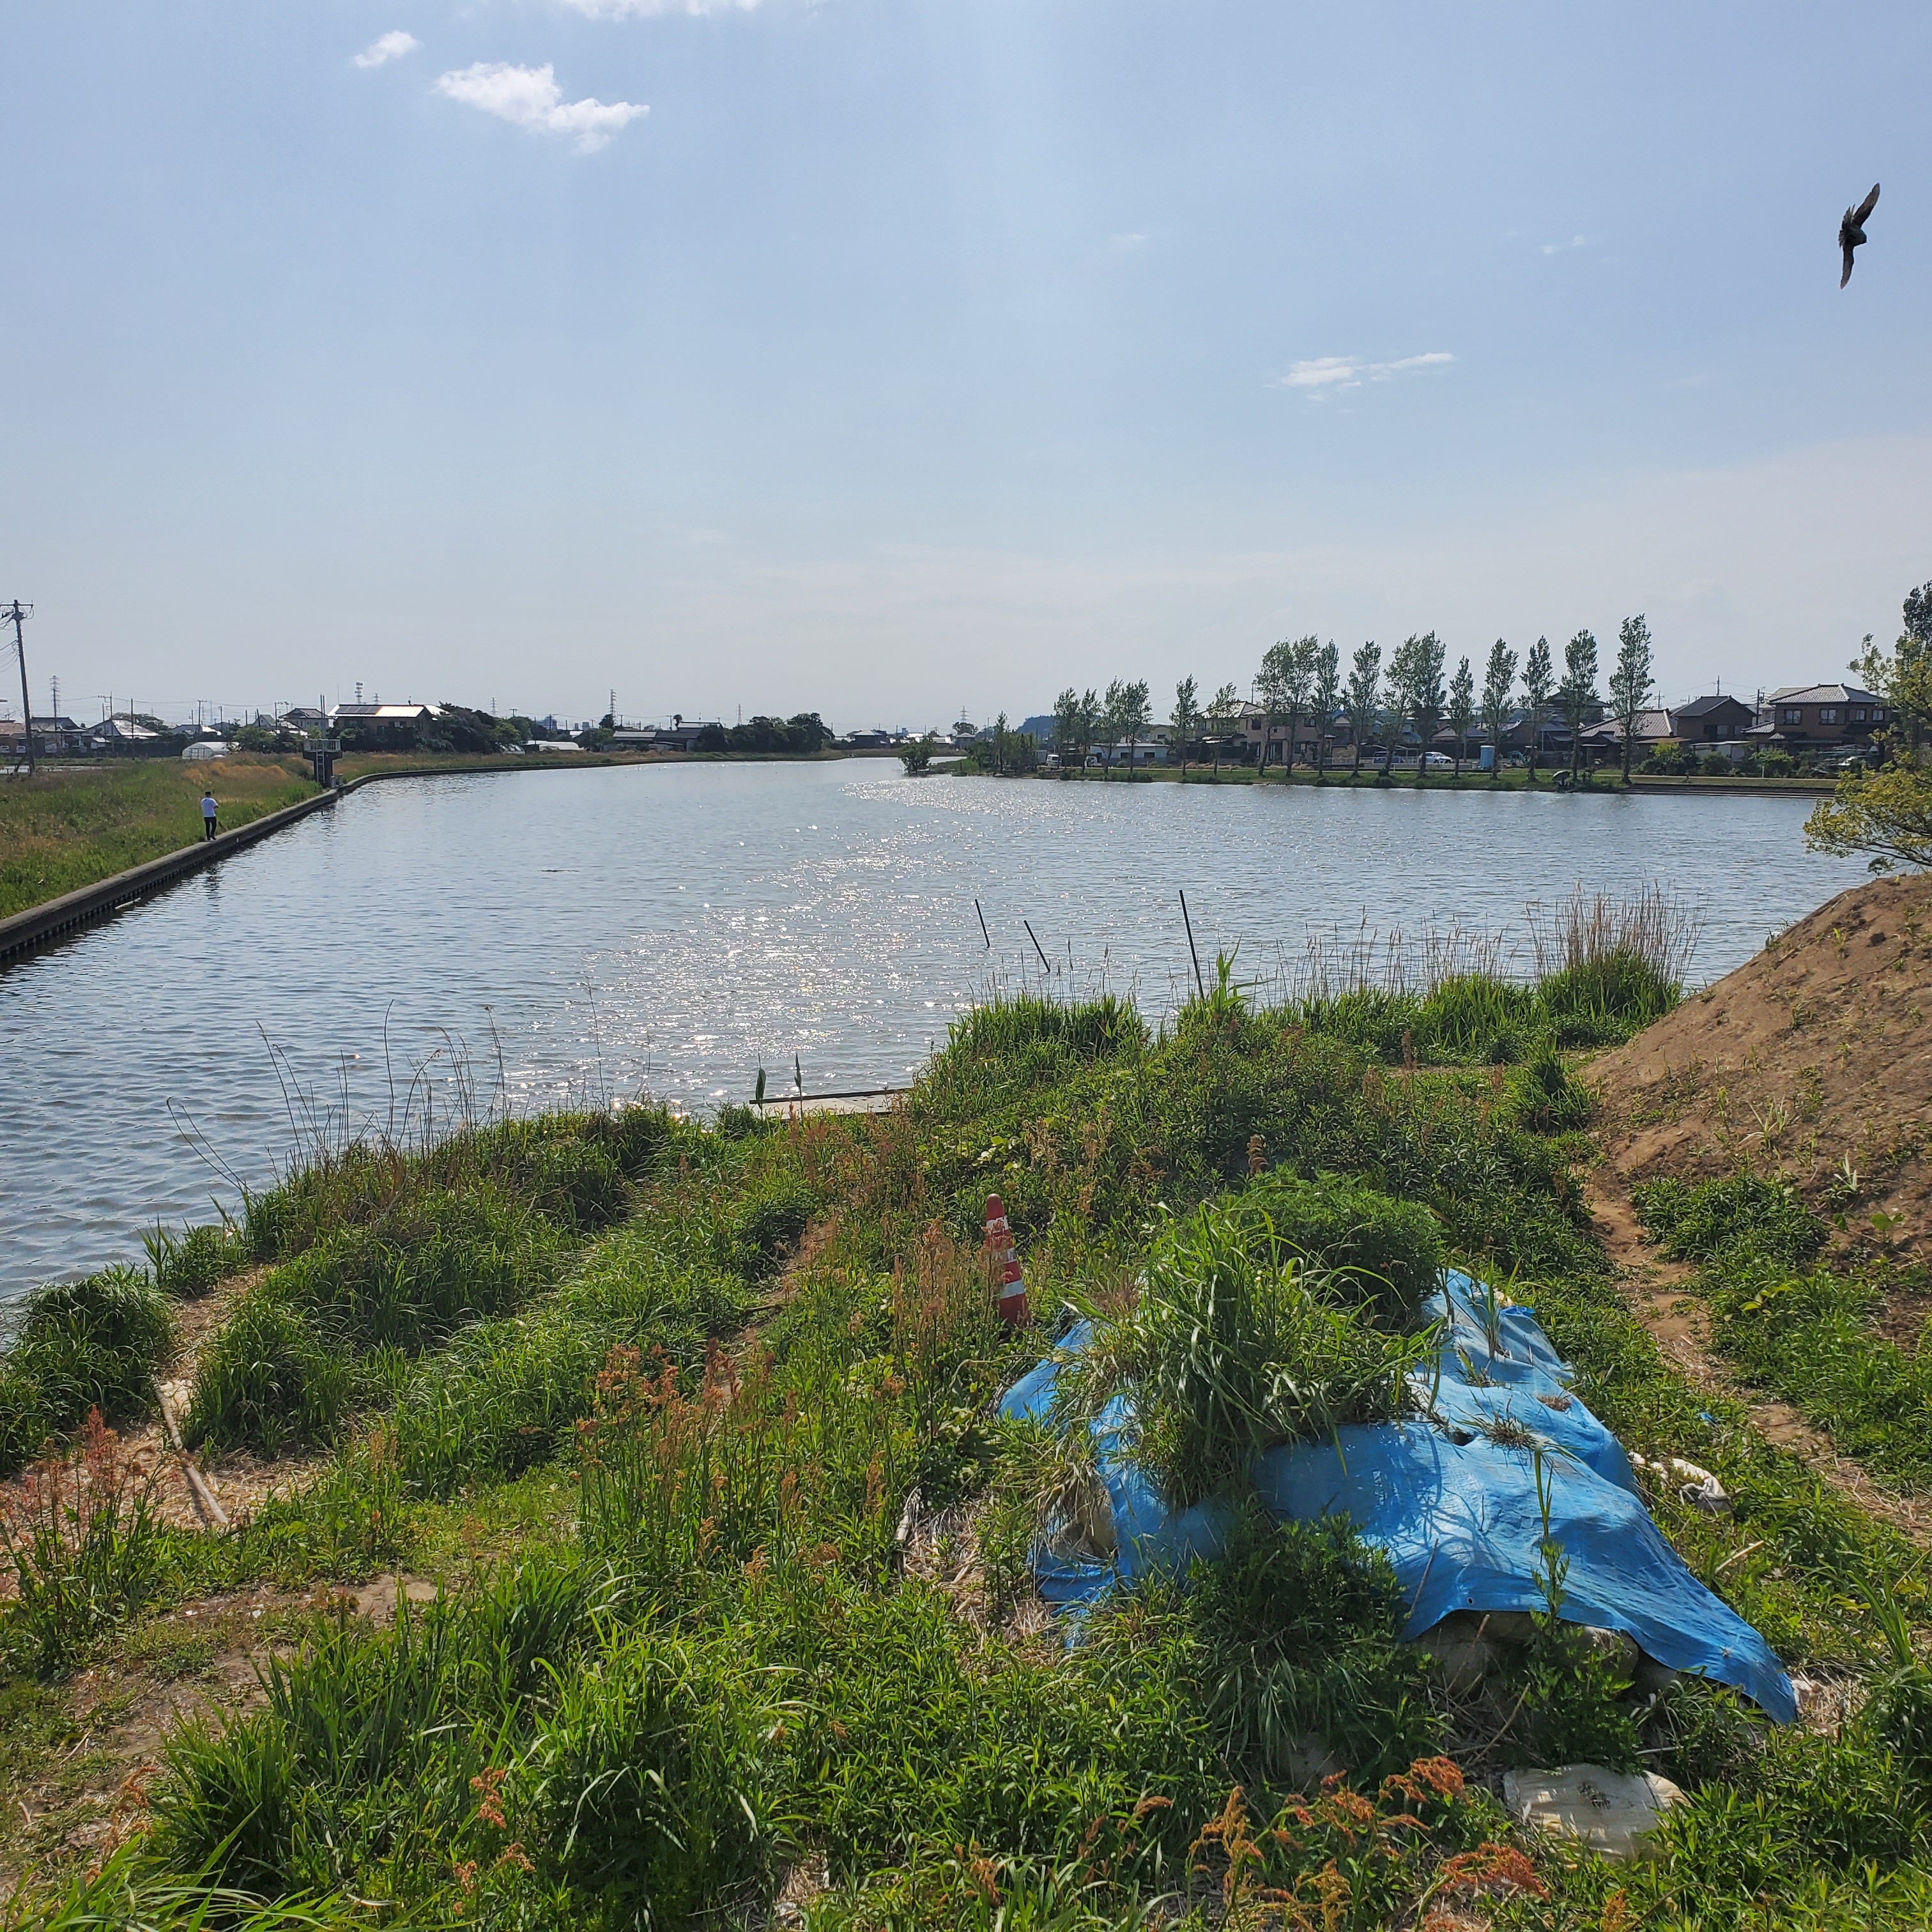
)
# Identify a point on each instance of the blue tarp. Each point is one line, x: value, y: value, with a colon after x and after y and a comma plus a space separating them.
x: 1457, y: 1514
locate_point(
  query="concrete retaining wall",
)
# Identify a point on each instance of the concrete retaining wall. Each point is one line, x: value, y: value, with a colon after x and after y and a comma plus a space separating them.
x: 38, y: 924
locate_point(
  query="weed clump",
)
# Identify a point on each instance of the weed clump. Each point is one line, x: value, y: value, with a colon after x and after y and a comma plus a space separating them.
x: 1298, y: 1626
x: 80, y: 1346
x: 771, y: 1222
x: 285, y: 1367
x: 187, y: 1265
x: 1743, y: 1216
x: 1386, y: 1254
x: 1223, y: 1356
x: 78, y: 1533
x: 1544, y: 1098
x: 269, y: 1381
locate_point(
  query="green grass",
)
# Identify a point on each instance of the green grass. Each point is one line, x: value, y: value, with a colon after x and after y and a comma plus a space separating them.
x: 682, y: 1644
x: 76, y: 1346
x: 64, y: 830
x: 1231, y: 1348
x: 1808, y: 1332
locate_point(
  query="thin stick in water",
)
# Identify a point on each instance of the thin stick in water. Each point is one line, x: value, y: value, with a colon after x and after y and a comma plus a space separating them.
x: 1045, y: 964
x: 1195, y: 956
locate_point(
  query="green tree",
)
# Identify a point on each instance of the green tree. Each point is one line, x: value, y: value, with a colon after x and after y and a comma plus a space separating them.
x: 1091, y: 719
x: 1133, y: 712
x: 1579, y: 691
x: 1363, y: 699
x: 1903, y: 676
x: 1224, y: 710
x: 1109, y: 725
x: 1632, y: 682
x: 1067, y: 717
x: 915, y: 755
x: 1462, y: 709
x: 1187, y: 718
x: 1539, y: 680
x: 1297, y: 685
x: 1327, y: 697
x: 1886, y: 813
x: 1498, y: 679
x: 1415, y: 681
x: 1271, y: 693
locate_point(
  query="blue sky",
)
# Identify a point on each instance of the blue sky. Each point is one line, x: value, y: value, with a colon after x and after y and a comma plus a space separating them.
x: 908, y: 353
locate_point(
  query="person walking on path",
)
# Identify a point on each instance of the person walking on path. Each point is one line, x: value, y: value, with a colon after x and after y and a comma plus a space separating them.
x: 207, y: 811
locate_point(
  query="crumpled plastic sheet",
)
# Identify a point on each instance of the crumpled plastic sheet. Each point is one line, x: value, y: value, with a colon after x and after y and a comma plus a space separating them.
x: 1456, y: 1514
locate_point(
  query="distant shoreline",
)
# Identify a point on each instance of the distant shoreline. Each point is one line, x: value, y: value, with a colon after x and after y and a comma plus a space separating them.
x: 1471, y: 780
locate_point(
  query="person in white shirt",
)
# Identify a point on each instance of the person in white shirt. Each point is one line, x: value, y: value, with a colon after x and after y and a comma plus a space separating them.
x: 208, y: 811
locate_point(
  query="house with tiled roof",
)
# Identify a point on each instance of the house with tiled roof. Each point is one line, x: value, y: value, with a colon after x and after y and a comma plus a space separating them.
x: 1819, y: 717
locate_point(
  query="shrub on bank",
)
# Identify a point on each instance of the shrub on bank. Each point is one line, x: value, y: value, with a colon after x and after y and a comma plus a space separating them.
x: 1229, y: 1350
x: 96, y: 1344
x: 1383, y: 1253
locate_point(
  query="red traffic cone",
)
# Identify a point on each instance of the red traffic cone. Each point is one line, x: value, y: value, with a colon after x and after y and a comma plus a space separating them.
x: 1006, y: 1260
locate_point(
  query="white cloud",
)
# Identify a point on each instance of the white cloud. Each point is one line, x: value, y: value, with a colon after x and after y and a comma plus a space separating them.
x: 528, y: 96
x: 1561, y: 248
x: 391, y: 47
x: 626, y: 10
x: 1322, y: 374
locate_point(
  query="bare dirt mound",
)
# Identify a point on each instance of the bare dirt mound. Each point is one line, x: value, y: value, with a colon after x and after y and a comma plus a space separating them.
x: 1812, y: 1061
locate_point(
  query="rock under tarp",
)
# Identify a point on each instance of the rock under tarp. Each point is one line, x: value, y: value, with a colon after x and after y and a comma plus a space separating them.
x: 1456, y: 1513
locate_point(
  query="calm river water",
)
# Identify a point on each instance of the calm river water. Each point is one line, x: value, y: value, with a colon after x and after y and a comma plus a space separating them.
x: 598, y: 932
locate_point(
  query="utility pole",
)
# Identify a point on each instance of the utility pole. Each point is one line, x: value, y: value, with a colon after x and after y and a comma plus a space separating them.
x: 18, y: 613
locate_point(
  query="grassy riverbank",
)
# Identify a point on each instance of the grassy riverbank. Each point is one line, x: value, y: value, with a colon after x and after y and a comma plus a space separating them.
x: 71, y: 827
x: 686, y: 1433
x: 74, y: 826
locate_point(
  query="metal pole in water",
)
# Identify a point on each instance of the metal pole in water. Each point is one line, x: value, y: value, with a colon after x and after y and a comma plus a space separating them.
x: 1034, y: 936
x: 1189, y: 924
x: 983, y: 933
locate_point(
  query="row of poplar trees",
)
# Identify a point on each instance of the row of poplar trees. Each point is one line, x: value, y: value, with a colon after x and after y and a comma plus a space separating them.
x: 1303, y: 677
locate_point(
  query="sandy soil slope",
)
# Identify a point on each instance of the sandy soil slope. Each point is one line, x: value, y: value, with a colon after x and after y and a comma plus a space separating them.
x: 1812, y: 1061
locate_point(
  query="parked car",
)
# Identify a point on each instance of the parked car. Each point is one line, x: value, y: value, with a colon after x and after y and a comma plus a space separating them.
x: 1440, y: 761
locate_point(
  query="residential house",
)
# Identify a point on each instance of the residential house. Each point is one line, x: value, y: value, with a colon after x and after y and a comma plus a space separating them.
x: 1653, y: 731
x: 124, y: 734
x: 1717, y: 720
x: 680, y: 735
x: 1140, y: 751
x: 391, y: 726
x: 1257, y: 731
x: 53, y: 737
x: 1819, y: 718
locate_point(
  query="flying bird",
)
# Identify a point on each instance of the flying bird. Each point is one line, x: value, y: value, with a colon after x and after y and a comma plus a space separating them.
x: 1851, y: 230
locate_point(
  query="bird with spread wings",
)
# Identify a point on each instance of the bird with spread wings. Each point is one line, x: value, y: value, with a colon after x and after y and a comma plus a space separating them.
x: 1851, y: 230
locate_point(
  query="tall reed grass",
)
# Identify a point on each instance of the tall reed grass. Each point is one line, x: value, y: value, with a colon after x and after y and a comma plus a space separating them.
x: 78, y: 1533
